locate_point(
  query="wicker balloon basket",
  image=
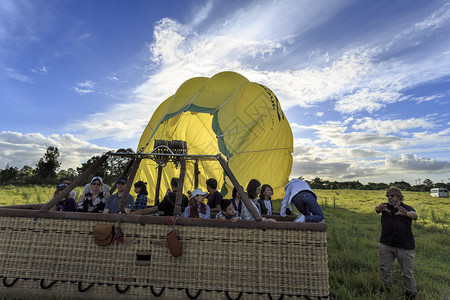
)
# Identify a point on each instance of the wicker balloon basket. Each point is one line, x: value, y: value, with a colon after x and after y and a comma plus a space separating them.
x: 53, y: 254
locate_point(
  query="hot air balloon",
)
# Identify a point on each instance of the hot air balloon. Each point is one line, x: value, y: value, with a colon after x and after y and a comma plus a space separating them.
x: 227, y: 115
x: 224, y: 127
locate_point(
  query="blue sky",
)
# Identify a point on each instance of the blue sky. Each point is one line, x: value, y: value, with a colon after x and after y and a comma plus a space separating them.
x: 365, y: 85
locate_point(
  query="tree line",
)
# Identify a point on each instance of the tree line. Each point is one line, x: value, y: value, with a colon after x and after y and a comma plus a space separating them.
x: 318, y: 183
x: 47, y: 171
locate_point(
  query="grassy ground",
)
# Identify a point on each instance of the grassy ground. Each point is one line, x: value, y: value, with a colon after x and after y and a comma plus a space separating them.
x: 32, y: 194
x: 353, y: 233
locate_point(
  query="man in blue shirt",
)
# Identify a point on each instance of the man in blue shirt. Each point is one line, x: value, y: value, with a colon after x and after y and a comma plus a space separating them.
x: 113, y: 201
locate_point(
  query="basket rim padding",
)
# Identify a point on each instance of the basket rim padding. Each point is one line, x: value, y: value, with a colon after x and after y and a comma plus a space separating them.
x: 145, y: 219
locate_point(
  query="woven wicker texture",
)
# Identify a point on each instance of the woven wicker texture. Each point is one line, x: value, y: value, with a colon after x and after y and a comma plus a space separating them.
x: 220, y: 263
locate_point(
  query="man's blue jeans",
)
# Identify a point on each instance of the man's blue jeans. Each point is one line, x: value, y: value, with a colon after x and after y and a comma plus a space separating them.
x: 307, y: 204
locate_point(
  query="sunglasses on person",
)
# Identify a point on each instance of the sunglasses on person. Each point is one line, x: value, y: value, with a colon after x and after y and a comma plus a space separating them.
x: 96, y: 183
x: 390, y: 195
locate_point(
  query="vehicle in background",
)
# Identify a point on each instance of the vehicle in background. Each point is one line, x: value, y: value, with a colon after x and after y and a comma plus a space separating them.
x: 439, y: 192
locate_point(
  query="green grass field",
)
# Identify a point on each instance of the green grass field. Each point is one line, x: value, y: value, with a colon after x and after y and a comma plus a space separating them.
x: 353, y: 233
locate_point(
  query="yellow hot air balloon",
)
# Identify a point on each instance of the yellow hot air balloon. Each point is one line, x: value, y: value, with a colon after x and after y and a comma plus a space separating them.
x: 228, y: 115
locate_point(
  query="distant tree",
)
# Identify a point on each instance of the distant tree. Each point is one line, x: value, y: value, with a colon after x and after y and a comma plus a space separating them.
x: 118, y: 163
x: 112, y: 167
x: 403, y: 185
x: 47, y: 166
x: 354, y: 184
x: 9, y: 175
x: 382, y: 186
x: 428, y: 182
x: 370, y: 186
x: 317, y: 180
x: 417, y: 188
x: 424, y: 188
x: 440, y: 185
x: 88, y: 163
x: 69, y: 173
x: 26, y: 175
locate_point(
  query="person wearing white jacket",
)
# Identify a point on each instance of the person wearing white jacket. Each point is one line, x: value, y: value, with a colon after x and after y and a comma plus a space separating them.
x: 299, y: 193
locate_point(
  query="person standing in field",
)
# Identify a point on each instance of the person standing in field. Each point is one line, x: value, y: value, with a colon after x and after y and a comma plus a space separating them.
x: 397, y: 241
x: 299, y: 192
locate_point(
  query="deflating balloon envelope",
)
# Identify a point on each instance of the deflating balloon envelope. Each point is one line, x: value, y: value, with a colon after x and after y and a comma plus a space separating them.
x: 225, y: 114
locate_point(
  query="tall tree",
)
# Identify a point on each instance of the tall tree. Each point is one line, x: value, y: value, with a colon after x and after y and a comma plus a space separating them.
x: 89, y: 162
x: 117, y: 163
x: 26, y: 174
x: 9, y: 175
x: 112, y: 167
x: 428, y: 182
x: 47, y: 166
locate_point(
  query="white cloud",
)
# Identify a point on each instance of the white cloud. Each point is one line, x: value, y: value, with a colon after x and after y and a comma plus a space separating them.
x: 83, y: 88
x: 384, y: 127
x: 81, y: 37
x: 347, y: 163
x: 436, y: 20
x: 86, y: 84
x: 427, y: 98
x: 364, y: 77
x: 17, y: 149
x: 412, y: 163
x: 200, y: 13
x: 357, y: 80
x: 335, y: 134
x: 82, y: 91
x: 41, y: 71
x: 17, y: 76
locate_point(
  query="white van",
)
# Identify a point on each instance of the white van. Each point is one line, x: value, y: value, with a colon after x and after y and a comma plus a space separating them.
x: 440, y: 192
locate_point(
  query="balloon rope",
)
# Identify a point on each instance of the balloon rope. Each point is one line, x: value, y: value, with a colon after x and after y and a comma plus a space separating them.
x: 228, y: 98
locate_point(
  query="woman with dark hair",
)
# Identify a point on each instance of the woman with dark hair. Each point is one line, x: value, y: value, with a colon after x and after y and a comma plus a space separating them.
x: 236, y: 200
x: 197, y: 207
x: 265, y: 199
x: 253, y: 189
x: 140, y: 188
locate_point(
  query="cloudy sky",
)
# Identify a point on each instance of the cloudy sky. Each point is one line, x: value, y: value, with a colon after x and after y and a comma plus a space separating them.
x: 365, y: 85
